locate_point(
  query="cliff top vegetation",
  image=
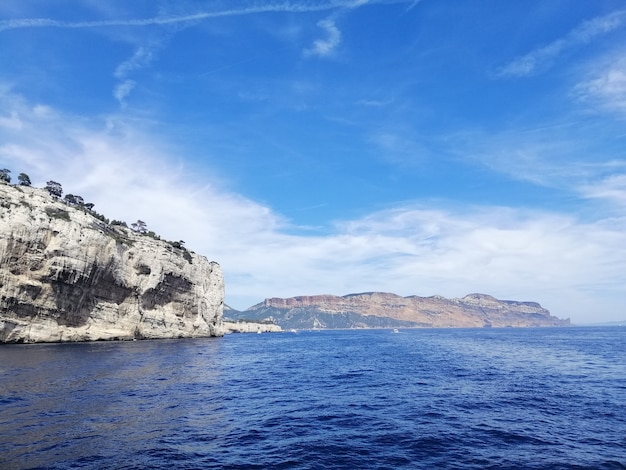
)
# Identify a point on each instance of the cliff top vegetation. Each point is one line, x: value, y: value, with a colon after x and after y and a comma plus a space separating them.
x: 55, y: 189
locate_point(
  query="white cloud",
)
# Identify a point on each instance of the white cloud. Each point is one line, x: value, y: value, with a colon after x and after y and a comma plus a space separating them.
x: 141, y: 58
x: 11, y: 121
x: 325, y: 47
x: 564, y: 155
x: 129, y: 173
x: 606, y: 85
x: 612, y: 189
x: 542, y: 57
x: 122, y: 90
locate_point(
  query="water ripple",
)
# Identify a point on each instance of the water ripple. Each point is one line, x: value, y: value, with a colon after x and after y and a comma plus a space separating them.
x: 549, y: 398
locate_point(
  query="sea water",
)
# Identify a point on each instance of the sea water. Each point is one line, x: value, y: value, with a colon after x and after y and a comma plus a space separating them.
x: 551, y: 398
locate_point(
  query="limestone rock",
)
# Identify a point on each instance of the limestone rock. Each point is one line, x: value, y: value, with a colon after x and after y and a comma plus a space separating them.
x: 67, y: 276
x: 250, y: 327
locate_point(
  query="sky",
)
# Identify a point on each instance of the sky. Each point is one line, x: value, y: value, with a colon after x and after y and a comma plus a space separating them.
x: 340, y: 146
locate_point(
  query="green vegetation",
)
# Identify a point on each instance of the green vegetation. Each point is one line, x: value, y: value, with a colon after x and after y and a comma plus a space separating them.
x: 24, y: 179
x: 56, y: 190
x: 4, y: 175
x: 73, y: 200
x: 55, y: 213
x: 100, y: 217
x: 140, y: 226
x: 187, y: 256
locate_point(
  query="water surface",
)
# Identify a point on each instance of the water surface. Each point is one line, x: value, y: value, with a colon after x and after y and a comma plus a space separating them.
x: 426, y: 398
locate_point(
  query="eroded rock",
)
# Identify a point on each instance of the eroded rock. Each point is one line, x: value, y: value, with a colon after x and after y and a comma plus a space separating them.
x: 67, y: 276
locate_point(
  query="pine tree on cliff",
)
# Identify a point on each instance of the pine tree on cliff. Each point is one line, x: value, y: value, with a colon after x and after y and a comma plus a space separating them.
x: 54, y: 188
x: 139, y: 226
x: 24, y: 179
x: 4, y: 175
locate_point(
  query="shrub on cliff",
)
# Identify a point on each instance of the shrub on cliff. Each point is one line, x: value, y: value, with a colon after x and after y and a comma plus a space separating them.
x: 71, y: 199
x: 57, y: 213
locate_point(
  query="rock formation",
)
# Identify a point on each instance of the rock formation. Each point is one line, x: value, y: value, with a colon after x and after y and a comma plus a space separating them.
x: 65, y: 275
x: 383, y: 310
x: 250, y: 327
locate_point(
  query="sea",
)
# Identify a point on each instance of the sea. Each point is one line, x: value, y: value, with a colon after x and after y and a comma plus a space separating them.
x: 545, y: 398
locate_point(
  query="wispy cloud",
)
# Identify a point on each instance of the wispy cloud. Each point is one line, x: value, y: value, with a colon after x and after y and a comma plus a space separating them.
x: 145, y: 54
x: 413, y: 4
x: 122, y: 90
x: 542, y: 57
x: 400, y: 145
x: 252, y: 8
x: 142, y: 57
x: 612, y: 189
x: 564, y: 155
x: 606, y: 85
x: 375, y: 103
x: 11, y: 121
x: 325, y: 47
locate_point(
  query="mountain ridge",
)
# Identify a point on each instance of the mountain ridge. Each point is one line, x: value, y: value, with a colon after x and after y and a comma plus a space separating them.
x: 388, y: 310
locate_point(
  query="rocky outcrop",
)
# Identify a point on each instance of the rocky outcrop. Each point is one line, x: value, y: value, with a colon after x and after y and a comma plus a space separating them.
x: 383, y: 310
x: 65, y: 275
x: 242, y: 325
x: 250, y: 327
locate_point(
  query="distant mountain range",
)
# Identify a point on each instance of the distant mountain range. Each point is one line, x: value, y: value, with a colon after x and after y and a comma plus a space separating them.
x: 385, y: 310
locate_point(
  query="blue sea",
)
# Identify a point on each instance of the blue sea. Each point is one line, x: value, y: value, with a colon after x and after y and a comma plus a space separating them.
x: 552, y: 398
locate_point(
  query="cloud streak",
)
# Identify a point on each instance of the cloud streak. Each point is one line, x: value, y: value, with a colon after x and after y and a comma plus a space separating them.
x: 146, y: 54
x: 606, y: 85
x: 540, y: 58
x: 143, y: 56
x: 325, y: 47
x: 270, y: 7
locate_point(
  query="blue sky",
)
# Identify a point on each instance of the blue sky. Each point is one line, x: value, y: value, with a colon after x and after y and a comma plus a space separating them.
x: 333, y: 146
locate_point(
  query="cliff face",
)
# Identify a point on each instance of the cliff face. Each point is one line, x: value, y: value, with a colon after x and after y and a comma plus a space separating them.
x: 383, y: 310
x: 67, y: 276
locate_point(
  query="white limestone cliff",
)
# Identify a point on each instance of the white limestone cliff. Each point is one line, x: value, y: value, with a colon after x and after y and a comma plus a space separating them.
x: 67, y: 276
x: 250, y: 327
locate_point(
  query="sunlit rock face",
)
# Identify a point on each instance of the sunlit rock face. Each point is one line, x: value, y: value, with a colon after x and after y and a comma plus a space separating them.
x: 67, y: 276
x: 385, y: 310
x: 250, y: 327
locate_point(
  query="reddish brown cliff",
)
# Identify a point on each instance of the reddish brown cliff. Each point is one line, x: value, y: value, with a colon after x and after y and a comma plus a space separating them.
x: 382, y: 310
